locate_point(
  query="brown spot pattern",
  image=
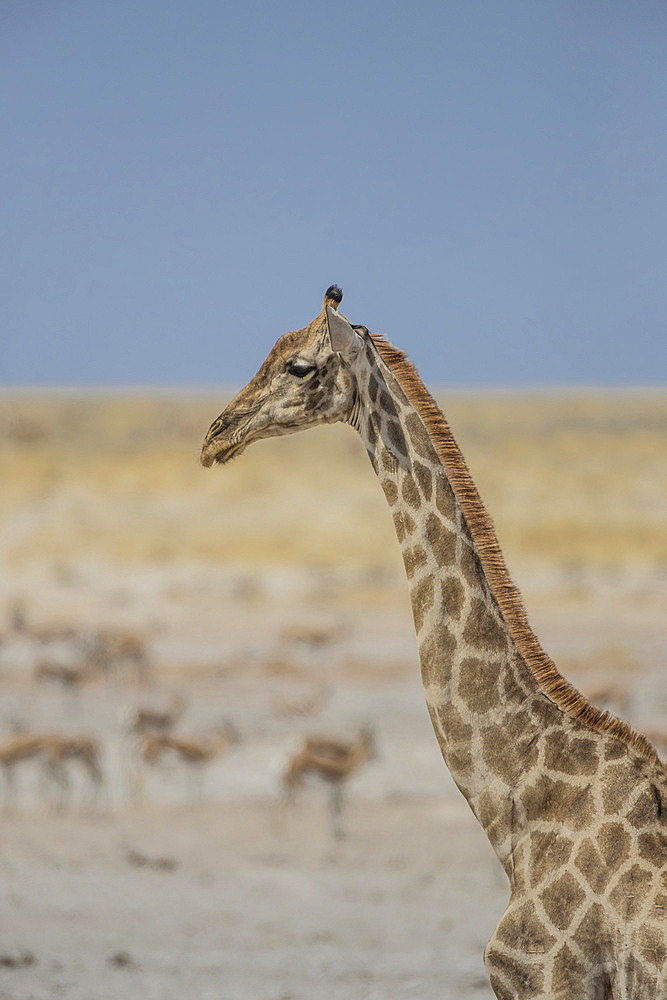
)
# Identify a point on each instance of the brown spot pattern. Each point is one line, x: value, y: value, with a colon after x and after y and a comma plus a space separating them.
x: 653, y: 848
x: 521, y: 928
x: 548, y: 852
x: 457, y: 750
x: 453, y: 596
x: 478, y: 685
x: 568, y: 754
x: 483, y: 629
x: 645, y: 811
x: 442, y: 541
x: 386, y: 403
x: 614, y: 844
x: 558, y: 802
x: 568, y: 974
x: 388, y: 460
x: 561, y: 899
x: 395, y: 435
x: 456, y: 727
x: 445, y: 500
x: 414, y: 560
x: 501, y: 991
x: 410, y: 525
x: 460, y: 760
x: 544, y: 713
x: 487, y: 808
x: 618, y: 785
x: 471, y: 566
x: 614, y: 749
x: 421, y: 596
x: 526, y: 979
x: 420, y: 438
x: 404, y: 525
x: 599, y: 859
x: 512, y: 689
x: 590, y: 935
x: 399, y: 524
x: 411, y: 493
x: 435, y: 655
x: 424, y: 479
x: 395, y: 387
x: 629, y: 894
x: 509, y: 750
x: 390, y: 490
x: 651, y: 946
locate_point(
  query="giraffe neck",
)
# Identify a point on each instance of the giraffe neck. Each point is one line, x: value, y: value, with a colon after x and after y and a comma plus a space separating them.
x: 475, y: 679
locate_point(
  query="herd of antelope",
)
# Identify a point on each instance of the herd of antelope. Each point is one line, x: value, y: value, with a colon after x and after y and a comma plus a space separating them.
x: 151, y: 727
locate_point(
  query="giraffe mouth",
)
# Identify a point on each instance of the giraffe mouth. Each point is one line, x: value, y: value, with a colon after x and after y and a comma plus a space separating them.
x: 217, y: 452
x: 219, y: 444
x: 229, y: 435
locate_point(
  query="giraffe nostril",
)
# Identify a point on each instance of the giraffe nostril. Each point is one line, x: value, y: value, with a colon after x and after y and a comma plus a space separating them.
x: 214, y: 430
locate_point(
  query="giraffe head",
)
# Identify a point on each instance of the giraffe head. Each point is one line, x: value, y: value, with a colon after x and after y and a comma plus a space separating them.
x: 306, y: 380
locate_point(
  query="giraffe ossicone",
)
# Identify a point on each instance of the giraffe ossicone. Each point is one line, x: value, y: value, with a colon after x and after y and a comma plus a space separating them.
x: 572, y: 799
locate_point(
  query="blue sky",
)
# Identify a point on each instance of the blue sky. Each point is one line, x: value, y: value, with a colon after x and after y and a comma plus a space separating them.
x: 181, y: 181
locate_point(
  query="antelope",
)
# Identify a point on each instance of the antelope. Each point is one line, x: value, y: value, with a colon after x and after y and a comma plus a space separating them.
x: 195, y: 754
x: 153, y: 720
x: 310, y: 635
x: 109, y: 647
x: 334, y: 761
x: 84, y: 749
x: 54, y: 750
x: 305, y: 704
x: 68, y: 676
x: 14, y: 750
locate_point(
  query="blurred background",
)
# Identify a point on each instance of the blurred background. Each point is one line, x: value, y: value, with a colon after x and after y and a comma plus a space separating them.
x: 181, y: 183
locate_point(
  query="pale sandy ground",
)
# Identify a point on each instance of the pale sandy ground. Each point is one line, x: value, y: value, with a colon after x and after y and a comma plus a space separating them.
x: 165, y: 889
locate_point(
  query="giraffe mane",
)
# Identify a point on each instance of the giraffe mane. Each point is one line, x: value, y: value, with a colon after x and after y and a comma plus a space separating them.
x: 551, y: 681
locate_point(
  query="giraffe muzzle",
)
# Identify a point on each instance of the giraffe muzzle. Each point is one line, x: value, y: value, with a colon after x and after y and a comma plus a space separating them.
x: 227, y: 436
x: 217, y: 452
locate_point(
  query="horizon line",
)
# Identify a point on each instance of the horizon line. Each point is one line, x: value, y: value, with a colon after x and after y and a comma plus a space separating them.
x: 135, y: 389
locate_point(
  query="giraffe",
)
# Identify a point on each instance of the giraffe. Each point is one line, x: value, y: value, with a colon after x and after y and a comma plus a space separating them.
x: 571, y: 798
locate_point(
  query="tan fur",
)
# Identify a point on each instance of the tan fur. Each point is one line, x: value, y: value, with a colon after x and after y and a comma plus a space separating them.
x: 188, y: 750
x: 331, y: 758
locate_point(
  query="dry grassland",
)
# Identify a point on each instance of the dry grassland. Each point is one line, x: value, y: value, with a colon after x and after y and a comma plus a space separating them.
x: 571, y: 479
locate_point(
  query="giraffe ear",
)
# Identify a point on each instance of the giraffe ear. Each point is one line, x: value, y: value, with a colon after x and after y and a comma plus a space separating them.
x: 341, y: 334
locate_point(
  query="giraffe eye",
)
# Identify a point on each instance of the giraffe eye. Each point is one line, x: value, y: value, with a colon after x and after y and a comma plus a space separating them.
x: 300, y: 369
